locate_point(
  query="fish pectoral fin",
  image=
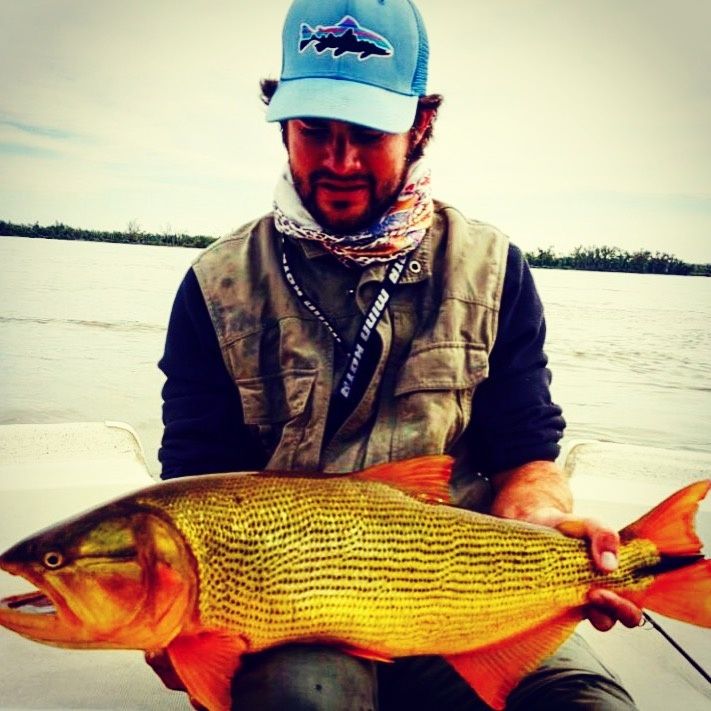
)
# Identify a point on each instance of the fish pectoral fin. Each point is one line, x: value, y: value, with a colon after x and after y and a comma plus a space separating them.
x: 494, y: 671
x: 426, y: 478
x: 206, y: 661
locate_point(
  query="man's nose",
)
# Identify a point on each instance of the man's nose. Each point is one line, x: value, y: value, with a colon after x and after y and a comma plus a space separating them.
x: 342, y: 156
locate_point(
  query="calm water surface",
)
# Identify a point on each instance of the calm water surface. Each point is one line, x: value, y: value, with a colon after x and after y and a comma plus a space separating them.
x: 82, y: 326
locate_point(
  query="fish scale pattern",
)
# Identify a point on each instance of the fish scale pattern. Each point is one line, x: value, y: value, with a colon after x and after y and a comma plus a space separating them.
x: 284, y: 558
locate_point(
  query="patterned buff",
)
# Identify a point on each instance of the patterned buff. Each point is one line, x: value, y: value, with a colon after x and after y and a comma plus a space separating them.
x: 398, y: 232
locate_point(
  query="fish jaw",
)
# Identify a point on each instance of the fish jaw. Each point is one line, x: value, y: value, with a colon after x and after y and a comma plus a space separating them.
x: 37, y: 616
x: 103, y: 582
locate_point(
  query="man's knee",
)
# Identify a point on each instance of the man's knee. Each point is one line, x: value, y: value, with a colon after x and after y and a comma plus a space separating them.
x: 573, y: 678
x: 304, y: 678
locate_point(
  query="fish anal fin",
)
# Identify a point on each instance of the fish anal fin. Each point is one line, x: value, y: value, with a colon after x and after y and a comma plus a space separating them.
x: 363, y: 653
x: 683, y: 594
x: 206, y: 661
x: 495, y: 670
x: 670, y: 525
x: 425, y: 478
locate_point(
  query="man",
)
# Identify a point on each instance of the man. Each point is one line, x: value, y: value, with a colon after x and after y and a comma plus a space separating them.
x: 363, y: 322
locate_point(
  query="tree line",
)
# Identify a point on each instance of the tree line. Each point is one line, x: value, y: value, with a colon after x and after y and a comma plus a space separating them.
x: 133, y: 235
x: 608, y: 259
x: 614, y: 259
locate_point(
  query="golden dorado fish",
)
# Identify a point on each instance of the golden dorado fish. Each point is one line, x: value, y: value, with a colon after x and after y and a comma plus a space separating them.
x: 213, y: 567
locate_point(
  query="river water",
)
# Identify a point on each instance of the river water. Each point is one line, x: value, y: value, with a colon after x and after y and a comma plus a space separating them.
x: 82, y: 326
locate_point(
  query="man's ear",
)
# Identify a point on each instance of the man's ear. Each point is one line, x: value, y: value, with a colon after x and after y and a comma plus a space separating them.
x: 423, y: 120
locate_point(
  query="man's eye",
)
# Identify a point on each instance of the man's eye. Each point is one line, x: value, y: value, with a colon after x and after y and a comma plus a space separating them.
x: 314, y: 130
x: 367, y: 136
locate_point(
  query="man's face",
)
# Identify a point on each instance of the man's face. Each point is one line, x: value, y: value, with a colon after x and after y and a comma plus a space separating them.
x: 346, y: 175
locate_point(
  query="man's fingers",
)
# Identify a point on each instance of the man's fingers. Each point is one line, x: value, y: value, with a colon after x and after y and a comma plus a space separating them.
x: 606, y: 607
x: 599, y: 620
x: 605, y: 544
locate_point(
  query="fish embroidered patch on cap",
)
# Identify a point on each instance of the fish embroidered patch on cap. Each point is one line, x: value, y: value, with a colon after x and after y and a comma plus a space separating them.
x: 347, y: 36
x: 360, y: 61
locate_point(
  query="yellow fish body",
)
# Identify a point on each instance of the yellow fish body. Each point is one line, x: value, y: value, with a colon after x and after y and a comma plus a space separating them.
x: 217, y: 566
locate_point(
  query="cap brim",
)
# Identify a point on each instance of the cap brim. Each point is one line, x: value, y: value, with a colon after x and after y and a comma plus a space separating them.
x: 342, y: 100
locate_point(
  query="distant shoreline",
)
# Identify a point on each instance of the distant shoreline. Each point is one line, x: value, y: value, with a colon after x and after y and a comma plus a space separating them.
x: 614, y: 259
x: 134, y: 236
x: 600, y: 259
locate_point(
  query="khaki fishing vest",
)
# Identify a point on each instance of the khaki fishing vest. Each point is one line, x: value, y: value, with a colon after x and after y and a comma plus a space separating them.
x: 437, y: 333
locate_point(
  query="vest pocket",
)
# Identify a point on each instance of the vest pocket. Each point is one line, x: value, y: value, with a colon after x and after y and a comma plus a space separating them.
x: 277, y: 398
x: 433, y: 396
x: 277, y: 406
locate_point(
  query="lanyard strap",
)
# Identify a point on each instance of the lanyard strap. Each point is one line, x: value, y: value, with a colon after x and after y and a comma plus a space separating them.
x: 304, y: 298
x: 372, y: 317
x: 368, y: 326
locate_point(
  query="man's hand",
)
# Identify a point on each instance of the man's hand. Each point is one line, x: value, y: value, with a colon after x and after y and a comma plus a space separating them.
x: 538, y: 492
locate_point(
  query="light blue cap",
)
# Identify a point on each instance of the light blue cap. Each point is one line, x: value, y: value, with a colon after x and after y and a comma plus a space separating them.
x: 361, y: 61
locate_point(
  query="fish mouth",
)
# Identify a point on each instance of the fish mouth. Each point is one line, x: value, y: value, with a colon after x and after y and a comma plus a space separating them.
x: 36, y: 601
x: 32, y: 603
x: 37, y: 615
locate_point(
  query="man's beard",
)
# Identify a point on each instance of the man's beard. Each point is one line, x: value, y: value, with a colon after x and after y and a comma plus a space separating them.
x: 378, y: 204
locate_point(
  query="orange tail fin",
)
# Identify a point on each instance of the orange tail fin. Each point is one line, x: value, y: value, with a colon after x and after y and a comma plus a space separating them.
x: 670, y: 525
x: 685, y: 593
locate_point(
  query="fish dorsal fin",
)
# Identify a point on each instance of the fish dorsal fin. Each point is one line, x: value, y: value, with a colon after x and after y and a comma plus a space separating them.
x: 206, y: 661
x: 494, y: 671
x: 426, y: 478
x: 670, y: 524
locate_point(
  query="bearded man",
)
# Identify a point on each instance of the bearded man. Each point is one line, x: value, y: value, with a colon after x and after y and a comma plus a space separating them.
x: 360, y: 322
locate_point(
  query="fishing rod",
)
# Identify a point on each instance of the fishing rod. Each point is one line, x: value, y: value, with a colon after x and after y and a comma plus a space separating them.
x: 648, y: 618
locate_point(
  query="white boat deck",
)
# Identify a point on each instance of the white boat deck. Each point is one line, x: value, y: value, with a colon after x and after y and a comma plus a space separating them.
x: 49, y: 472
x: 606, y: 479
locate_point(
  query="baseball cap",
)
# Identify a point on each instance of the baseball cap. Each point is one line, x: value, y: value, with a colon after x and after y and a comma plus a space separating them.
x: 361, y: 61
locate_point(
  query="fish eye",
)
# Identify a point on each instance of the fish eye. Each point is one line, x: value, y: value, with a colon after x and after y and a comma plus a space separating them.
x: 52, y: 559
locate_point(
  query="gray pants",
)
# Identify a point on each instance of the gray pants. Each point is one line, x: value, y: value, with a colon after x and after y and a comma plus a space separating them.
x: 315, y: 678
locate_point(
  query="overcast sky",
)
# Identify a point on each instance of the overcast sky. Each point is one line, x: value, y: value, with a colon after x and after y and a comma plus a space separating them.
x: 565, y: 122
